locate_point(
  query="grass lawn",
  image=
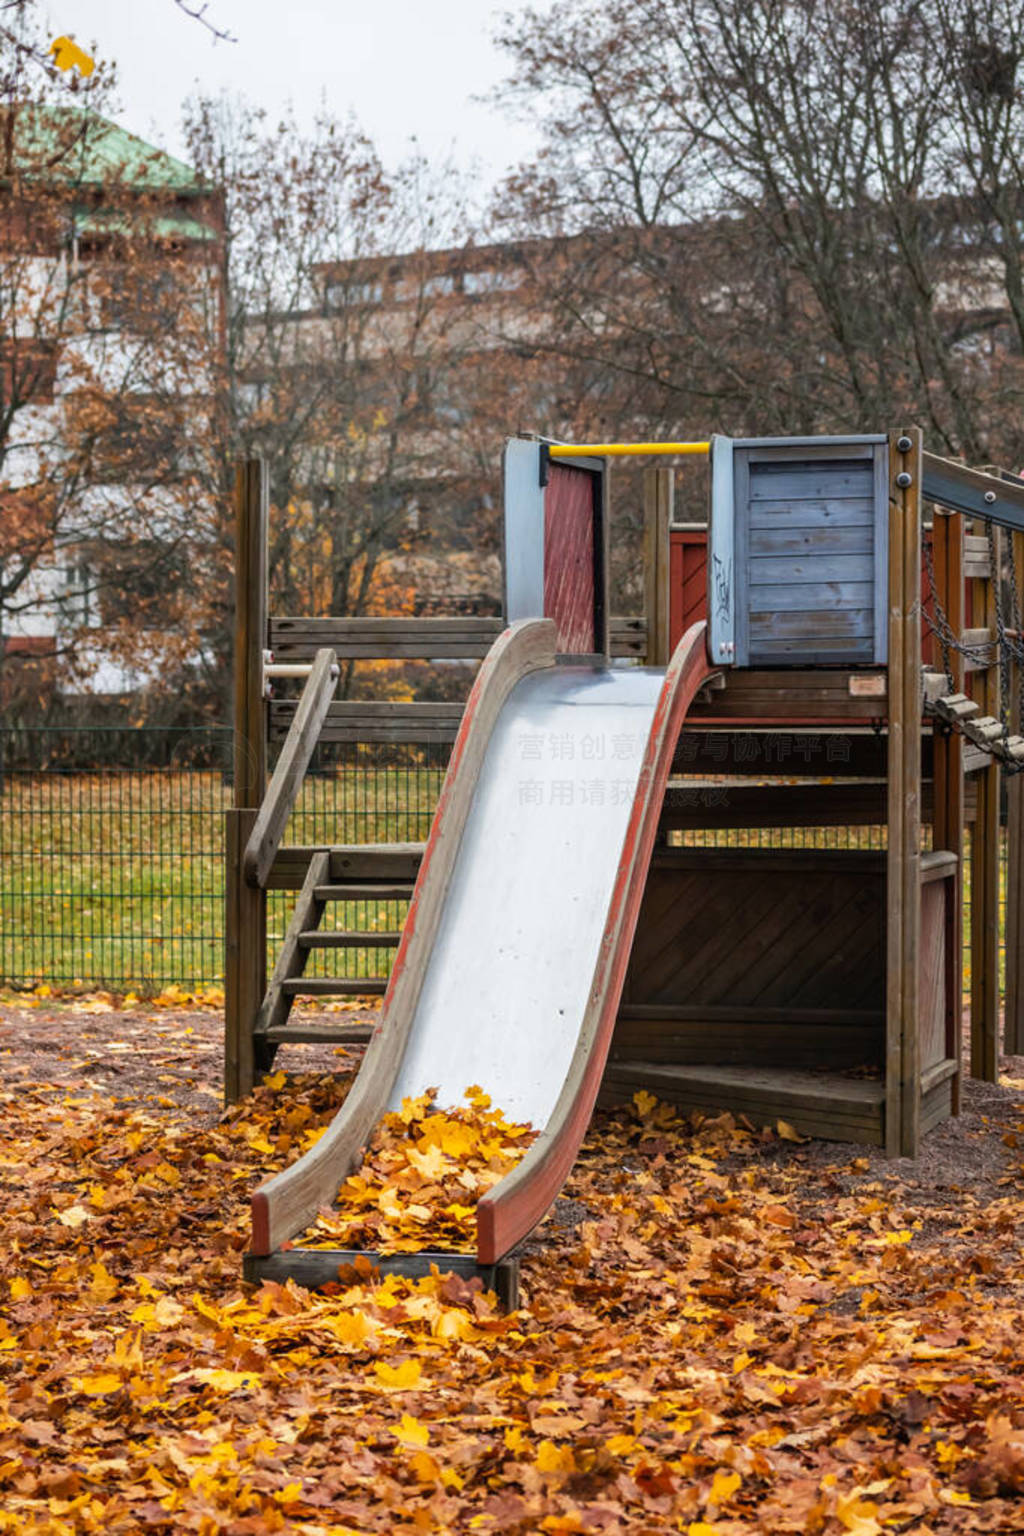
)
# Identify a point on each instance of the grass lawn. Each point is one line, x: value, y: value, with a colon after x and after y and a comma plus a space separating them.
x: 117, y: 879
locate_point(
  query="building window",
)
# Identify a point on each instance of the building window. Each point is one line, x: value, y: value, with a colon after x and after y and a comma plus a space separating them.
x: 491, y: 281
x: 342, y: 295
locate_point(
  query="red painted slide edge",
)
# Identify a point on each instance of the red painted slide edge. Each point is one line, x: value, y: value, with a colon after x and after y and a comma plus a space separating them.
x: 514, y: 1206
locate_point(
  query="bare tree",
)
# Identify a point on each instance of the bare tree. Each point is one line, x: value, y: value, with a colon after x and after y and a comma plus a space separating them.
x: 345, y: 348
x: 789, y: 216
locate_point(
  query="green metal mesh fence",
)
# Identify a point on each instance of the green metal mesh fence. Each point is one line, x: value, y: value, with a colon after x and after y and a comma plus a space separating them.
x: 112, y: 851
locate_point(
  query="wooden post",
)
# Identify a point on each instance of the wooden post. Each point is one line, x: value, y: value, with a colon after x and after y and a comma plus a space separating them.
x: 244, y: 959
x: 903, y: 902
x: 947, y: 757
x: 252, y: 496
x: 245, y: 964
x: 985, y: 874
x: 1013, y: 1034
x: 894, y: 838
x: 659, y: 501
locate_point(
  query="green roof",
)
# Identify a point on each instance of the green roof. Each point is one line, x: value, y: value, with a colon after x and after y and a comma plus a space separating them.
x: 162, y: 226
x: 74, y: 144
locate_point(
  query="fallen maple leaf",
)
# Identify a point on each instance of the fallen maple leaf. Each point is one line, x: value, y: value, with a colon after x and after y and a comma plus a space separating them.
x: 100, y: 1385
x: 557, y: 1460
x: 73, y: 1216
x: 787, y: 1132
x: 411, y: 1432
x: 398, y: 1378
x: 857, y: 1516
x: 723, y: 1486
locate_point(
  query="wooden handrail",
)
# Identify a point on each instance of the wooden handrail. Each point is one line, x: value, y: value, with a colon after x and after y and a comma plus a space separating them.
x: 283, y: 789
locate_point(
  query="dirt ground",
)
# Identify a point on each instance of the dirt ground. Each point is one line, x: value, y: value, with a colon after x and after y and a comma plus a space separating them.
x: 175, y: 1058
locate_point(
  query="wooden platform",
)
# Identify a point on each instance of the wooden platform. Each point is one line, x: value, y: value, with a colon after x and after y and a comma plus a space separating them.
x: 834, y: 1105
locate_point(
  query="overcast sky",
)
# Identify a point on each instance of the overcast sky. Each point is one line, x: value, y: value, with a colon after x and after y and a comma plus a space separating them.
x: 406, y: 68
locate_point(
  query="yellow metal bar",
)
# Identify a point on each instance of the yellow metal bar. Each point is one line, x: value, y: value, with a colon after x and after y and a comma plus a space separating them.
x: 620, y: 450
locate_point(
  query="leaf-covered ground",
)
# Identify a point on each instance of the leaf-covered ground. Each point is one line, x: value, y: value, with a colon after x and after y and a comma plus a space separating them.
x: 722, y: 1332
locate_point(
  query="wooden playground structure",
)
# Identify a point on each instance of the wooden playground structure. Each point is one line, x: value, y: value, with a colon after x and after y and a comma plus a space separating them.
x: 864, y: 669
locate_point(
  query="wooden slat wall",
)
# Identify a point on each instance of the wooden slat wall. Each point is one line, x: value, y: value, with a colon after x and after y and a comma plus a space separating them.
x: 376, y: 722
x: 806, y: 557
x: 688, y: 573
x: 932, y: 993
x: 810, y: 696
x: 467, y: 639
x: 759, y: 929
x: 688, y: 597
x: 569, y: 595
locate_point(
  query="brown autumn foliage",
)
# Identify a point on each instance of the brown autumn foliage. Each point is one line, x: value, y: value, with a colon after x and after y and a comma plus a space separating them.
x: 723, y: 1331
x: 785, y: 218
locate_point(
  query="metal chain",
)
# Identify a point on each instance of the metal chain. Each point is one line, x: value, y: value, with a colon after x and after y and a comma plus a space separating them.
x: 1018, y: 626
x: 947, y: 637
x: 1001, y: 649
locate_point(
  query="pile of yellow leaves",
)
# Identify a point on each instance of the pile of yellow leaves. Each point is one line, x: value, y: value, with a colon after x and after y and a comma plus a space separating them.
x: 424, y: 1171
x: 723, y: 1331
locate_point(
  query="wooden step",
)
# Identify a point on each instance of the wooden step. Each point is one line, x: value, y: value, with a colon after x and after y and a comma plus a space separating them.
x: 833, y: 1105
x: 1012, y: 748
x: 935, y: 685
x: 985, y: 731
x: 319, y: 1034
x: 334, y: 986
x: 317, y: 938
x: 956, y: 707
x: 354, y: 892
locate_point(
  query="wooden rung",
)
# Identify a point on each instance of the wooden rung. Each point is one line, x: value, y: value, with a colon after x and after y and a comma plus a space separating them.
x: 335, y: 986
x: 985, y: 730
x: 956, y: 706
x: 317, y: 938
x: 935, y: 685
x: 363, y: 892
x: 319, y: 1034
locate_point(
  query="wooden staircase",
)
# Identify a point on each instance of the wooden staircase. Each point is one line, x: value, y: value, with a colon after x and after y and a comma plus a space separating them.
x: 335, y: 876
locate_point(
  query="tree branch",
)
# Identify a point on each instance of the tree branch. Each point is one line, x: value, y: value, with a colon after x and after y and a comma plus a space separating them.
x: 198, y: 13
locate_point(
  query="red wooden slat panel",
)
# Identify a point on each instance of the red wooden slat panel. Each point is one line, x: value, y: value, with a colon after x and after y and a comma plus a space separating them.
x: 569, y: 558
x: 688, y: 598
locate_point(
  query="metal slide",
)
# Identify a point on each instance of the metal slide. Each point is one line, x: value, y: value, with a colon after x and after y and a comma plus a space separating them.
x: 515, y: 949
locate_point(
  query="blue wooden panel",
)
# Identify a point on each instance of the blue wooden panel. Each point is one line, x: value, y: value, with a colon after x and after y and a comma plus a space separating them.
x: 814, y: 624
x: 811, y: 549
x: 812, y: 567
x: 524, y: 531
x: 848, y: 651
x: 811, y: 595
x: 790, y: 482
x: 858, y: 540
x: 880, y: 654
x: 814, y: 512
